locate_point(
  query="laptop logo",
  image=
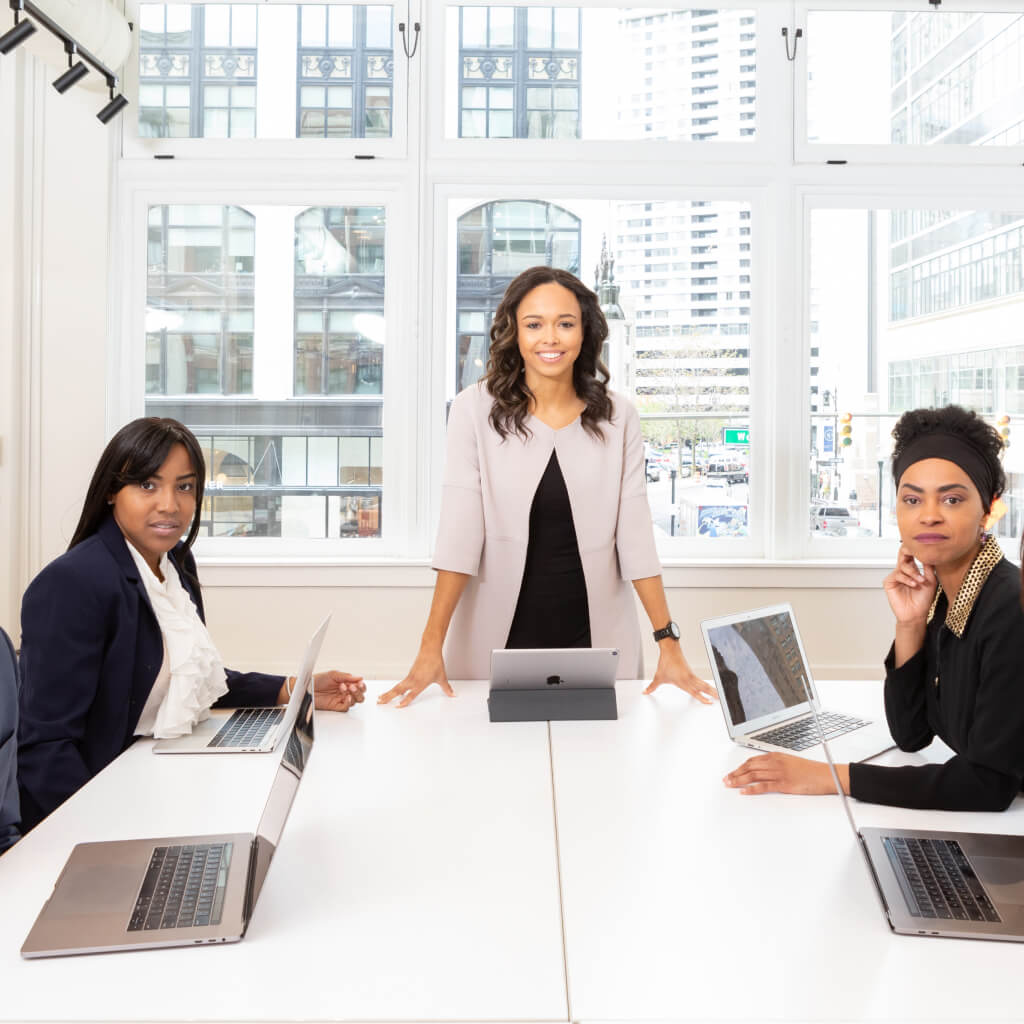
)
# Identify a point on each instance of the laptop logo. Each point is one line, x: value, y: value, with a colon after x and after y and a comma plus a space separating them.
x: 554, y: 680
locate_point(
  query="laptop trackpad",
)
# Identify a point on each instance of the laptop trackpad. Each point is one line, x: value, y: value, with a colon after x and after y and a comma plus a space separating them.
x: 1003, y: 877
x: 99, y: 889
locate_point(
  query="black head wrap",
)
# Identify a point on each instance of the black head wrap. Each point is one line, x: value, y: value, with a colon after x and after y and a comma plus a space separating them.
x: 953, y: 448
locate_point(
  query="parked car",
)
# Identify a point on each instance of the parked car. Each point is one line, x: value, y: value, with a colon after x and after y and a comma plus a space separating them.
x: 653, y: 471
x: 832, y: 518
x: 730, y: 472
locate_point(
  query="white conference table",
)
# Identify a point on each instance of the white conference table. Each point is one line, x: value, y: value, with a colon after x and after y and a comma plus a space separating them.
x: 416, y: 879
x: 685, y: 900
x: 420, y: 878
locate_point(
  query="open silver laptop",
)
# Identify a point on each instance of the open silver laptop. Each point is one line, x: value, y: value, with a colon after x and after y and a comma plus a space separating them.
x: 759, y: 665
x: 248, y: 730
x: 180, y: 891
x: 565, y: 667
x: 963, y: 885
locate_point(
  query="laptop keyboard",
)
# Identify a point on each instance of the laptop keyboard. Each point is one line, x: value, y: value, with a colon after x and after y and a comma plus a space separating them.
x: 247, y: 727
x: 803, y: 733
x: 937, y: 879
x: 183, y: 888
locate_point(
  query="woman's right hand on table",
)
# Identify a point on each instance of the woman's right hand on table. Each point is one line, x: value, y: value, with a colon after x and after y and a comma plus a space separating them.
x: 428, y: 668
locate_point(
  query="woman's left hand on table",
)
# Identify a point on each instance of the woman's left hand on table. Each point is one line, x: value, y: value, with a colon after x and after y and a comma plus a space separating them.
x: 674, y: 670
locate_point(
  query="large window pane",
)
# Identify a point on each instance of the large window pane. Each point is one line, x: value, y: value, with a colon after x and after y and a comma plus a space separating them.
x: 277, y: 467
x: 909, y: 308
x: 923, y: 78
x: 628, y: 73
x: 210, y: 71
x: 674, y: 280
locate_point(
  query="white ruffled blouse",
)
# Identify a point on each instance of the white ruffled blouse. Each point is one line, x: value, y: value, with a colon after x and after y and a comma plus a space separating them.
x: 192, y: 676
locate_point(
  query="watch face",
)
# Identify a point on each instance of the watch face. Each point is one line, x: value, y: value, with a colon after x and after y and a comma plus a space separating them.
x: 673, y: 631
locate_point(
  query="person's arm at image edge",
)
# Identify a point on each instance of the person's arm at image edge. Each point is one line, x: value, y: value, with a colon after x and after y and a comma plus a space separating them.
x: 62, y: 637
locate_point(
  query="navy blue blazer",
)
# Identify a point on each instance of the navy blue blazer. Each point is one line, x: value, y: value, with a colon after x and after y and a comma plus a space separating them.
x: 91, y: 649
x: 9, y: 813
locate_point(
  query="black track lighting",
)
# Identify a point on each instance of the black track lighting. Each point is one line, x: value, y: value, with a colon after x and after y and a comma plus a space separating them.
x: 113, y: 108
x: 77, y: 69
x: 74, y: 73
x: 13, y: 36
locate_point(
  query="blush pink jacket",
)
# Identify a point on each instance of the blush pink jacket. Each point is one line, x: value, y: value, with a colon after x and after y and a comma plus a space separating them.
x: 484, y: 531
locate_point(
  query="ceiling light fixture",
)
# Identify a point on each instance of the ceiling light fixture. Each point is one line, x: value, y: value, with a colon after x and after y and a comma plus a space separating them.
x: 21, y: 31
x: 114, y: 107
x: 75, y: 72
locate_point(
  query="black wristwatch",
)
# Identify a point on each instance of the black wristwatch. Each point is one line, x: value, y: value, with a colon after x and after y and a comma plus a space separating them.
x: 671, y: 630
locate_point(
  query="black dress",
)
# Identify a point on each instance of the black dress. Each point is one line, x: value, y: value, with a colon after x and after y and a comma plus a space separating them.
x: 552, y: 608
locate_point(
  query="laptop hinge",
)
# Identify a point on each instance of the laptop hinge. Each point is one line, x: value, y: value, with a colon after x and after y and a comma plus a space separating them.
x: 874, y: 878
x: 250, y: 884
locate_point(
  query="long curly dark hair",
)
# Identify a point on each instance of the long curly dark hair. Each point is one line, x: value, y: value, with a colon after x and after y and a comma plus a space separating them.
x: 504, y: 378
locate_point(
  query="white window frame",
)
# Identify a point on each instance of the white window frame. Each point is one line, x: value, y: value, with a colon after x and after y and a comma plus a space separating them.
x: 443, y: 79
x: 400, y: 536
x: 446, y: 255
x: 916, y: 155
x: 135, y: 146
x: 998, y: 195
x: 418, y: 185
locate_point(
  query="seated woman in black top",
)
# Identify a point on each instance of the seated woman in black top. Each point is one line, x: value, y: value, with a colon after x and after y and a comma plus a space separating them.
x: 956, y: 667
x: 113, y: 642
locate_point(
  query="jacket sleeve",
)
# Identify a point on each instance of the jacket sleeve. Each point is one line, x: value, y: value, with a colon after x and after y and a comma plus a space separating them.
x: 245, y: 689
x: 634, y: 532
x: 460, y: 531
x: 10, y: 812
x: 905, y: 704
x: 987, y: 774
x: 63, y: 633
x: 250, y: 689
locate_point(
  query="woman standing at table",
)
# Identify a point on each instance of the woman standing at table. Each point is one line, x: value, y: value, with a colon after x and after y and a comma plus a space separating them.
x: 114, y: 643
x: 955, y: 666
x: 544, y: 516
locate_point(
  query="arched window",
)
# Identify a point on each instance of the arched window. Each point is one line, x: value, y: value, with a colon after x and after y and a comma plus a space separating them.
x: 496, y: 242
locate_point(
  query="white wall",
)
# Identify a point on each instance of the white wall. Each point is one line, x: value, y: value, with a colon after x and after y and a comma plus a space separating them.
x: 54, y: 228
x: 376, y: 628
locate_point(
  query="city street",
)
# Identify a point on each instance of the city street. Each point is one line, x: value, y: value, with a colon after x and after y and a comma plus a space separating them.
x: 699, y: 493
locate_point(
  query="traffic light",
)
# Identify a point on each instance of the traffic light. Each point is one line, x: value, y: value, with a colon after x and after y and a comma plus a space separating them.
x: 846, y: 430
x: 1004, y: 430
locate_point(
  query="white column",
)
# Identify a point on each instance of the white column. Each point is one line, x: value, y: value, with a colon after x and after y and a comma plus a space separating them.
x: 274, y: 336
x: 276, y: 71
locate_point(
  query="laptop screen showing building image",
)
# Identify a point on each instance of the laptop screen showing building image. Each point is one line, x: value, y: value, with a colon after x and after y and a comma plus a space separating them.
x: 759, y: 666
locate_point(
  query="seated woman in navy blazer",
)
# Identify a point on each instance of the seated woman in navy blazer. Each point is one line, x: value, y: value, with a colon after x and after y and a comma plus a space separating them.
x: 114, y: 643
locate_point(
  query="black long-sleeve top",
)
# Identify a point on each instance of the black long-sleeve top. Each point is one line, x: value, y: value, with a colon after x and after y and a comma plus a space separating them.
x: 966, y: 686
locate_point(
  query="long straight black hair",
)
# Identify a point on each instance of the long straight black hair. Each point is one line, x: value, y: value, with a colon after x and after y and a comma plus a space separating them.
x: 132, y: 456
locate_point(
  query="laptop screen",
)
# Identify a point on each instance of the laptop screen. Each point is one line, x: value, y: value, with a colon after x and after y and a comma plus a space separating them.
x: 759, y: 665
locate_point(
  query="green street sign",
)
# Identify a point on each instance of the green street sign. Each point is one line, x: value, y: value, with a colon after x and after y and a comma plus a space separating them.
x: 736, y: 435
